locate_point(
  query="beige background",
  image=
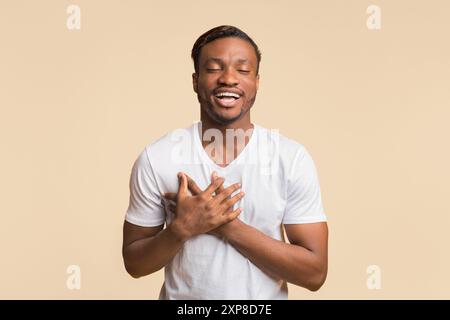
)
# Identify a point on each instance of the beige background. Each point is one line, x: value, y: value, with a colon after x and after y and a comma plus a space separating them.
x: 77, y: 107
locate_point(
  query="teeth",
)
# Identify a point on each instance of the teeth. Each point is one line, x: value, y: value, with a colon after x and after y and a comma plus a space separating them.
x: 228, y: 94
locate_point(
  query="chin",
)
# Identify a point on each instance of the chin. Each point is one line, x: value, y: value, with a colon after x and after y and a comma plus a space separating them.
x: 226, y: 119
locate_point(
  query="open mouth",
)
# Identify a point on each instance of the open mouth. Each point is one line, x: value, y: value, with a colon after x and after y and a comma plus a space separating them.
x: 227, y: 99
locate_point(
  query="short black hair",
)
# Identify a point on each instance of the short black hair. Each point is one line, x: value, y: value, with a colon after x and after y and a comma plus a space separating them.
x: 224, y: 31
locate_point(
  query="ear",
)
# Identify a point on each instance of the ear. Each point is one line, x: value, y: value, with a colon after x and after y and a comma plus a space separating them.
x: 195, y: 82
x: 257, y: 82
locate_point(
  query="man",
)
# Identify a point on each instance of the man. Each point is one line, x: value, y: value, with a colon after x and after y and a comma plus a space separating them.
x: 225, y: 206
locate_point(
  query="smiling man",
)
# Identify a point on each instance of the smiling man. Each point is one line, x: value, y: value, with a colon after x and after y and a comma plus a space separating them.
x: 225, y: 188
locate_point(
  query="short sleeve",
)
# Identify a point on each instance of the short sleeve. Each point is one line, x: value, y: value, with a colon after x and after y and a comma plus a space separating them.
x: 145, y: 205
x: 304, y: 201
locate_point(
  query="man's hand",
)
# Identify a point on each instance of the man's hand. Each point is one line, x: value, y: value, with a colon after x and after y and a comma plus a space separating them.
x: 202, y: 212
x: 223, y: 229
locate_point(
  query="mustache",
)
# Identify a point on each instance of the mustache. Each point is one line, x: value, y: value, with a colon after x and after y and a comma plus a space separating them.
x: 230, y: 89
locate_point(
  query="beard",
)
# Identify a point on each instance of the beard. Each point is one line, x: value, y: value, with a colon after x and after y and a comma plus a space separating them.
x: 208, y: 107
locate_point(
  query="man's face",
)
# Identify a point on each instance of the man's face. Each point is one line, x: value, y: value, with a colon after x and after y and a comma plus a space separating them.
x: 227, y: 82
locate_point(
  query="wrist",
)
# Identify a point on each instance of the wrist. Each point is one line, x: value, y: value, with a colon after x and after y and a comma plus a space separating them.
x: 230, y: 228
x: 177, y: 231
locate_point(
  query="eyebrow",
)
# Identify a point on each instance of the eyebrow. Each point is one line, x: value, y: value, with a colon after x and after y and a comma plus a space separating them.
x: 220, y: 60
x: 213, y: 59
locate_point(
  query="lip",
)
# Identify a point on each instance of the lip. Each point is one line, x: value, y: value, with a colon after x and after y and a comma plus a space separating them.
x: 223, y: 89
x: 224, y: 103
x: 227, y: 103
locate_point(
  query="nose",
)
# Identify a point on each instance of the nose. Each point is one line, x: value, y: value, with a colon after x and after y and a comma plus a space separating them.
x: 228, y: 78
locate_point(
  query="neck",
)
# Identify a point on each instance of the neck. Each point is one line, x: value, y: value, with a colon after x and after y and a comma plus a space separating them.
x: 228, y: 150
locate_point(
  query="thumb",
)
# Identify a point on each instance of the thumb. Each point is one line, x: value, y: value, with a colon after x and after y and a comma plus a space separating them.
x: 183, y: 185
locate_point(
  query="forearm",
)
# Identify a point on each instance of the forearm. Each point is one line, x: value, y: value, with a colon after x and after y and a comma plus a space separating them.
x: 289, y: 262
x: 148, y: 255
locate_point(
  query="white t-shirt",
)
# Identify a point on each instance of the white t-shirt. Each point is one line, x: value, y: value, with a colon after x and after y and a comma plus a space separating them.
x: 281, y: 186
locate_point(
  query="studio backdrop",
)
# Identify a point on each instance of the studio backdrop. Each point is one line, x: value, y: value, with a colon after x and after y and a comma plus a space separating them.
x: 86, y: 85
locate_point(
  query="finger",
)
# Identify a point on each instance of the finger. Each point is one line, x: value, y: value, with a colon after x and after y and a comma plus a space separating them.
x: 182, y: 189
x: 193, y: 186
x: 221, y: 188
x: 214, y: 185
x: 226, y: 192
x: 230, y: 202
x: 233, y: 215
x: 170, y: 196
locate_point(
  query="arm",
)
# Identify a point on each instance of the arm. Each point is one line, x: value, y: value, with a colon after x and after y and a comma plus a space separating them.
x: 303, y: 262
x: 147, y: 249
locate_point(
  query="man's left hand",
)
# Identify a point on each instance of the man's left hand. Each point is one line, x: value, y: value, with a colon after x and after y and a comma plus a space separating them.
x: 221, y: 231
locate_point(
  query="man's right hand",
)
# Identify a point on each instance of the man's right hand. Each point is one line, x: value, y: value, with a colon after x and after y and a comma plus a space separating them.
x: 203, y: 212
